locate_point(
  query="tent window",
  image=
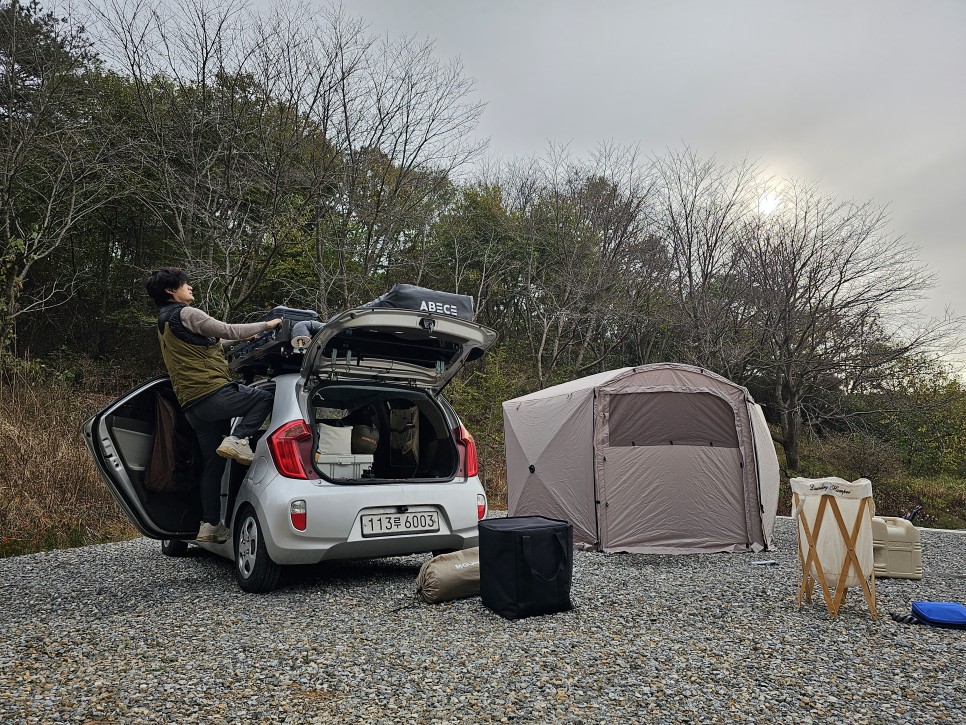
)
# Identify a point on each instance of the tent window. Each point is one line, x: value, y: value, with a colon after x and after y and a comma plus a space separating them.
x: 666, y: 418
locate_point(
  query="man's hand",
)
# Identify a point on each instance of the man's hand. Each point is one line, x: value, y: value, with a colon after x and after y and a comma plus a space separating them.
x: 272, y: 324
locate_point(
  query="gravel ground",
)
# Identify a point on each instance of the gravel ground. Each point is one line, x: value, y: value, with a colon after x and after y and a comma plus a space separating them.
x: 118, y: 633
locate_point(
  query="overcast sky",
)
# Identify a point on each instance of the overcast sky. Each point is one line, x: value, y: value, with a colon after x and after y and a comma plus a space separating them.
x: 867, y: 98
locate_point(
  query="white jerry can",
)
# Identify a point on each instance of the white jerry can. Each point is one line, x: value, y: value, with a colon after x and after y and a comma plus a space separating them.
x: 896, y: 548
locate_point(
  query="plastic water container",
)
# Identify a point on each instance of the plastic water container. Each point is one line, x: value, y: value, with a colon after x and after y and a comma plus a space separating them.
x: 896, y: 548
x: 343, y: 465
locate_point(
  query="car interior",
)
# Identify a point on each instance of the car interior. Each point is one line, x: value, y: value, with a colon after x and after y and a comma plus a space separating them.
x: 397, y: 433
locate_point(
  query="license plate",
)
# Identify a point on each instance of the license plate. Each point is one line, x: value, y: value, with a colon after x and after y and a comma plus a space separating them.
x: 415, y: 522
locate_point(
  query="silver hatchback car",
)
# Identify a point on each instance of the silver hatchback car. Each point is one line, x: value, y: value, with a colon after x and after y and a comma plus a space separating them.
x: 362, y: 456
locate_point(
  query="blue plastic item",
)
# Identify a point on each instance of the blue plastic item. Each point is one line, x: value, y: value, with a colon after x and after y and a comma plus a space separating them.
x: 940, y: 614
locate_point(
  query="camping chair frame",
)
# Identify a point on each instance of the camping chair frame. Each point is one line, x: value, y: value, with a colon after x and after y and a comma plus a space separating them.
x: 810, y: 558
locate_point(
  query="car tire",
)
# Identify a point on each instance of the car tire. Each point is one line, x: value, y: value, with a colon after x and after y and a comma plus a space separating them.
x: 254, y: 569
x: 174, y: 547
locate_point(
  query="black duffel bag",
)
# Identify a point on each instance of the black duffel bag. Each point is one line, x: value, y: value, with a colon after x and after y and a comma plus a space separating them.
x: 526, y: 565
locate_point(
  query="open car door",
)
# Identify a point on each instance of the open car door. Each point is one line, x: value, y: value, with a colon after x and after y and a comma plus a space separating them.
x: 120, y: 439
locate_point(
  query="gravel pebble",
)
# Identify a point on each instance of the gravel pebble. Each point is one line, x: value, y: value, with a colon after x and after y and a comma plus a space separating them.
x: 119, y: 633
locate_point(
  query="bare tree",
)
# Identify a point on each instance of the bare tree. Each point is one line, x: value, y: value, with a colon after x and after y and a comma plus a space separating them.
x: 398, y: 123
x: 702, y: 208
x: 590, y: 256
x: 221, y: 132
x: 616, y: 200
x: 263, y: 129
x: 56, y: 149
x: 834, y: 295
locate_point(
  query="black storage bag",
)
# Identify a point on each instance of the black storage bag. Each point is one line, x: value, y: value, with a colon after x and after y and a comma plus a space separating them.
x: 526, y: 565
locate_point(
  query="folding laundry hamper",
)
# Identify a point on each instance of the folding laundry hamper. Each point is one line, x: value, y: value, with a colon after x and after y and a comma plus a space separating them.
x: 834, y: 538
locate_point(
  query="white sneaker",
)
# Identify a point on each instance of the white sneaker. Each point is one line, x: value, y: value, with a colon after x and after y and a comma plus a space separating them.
x: 237, y: 449
x: 214, y: 533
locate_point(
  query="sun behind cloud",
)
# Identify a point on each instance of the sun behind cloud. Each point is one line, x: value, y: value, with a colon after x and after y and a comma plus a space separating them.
x: 769, y: 203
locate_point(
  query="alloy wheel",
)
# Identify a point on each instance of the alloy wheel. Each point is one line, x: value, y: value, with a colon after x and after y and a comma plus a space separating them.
x: 247, y: 546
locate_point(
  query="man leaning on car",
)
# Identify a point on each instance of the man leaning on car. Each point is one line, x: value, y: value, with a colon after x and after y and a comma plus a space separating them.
x: 191, y: 346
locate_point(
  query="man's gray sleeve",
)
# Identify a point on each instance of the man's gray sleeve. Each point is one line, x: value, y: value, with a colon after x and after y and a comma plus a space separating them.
x: 203, y: 324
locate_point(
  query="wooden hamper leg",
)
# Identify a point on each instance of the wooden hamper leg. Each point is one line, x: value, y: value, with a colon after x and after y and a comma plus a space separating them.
x: 852, y: 559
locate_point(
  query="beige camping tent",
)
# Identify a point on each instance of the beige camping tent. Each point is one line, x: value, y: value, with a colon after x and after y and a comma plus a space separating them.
x: 661, y: 458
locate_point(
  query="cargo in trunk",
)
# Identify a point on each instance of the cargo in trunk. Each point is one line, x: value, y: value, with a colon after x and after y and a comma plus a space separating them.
x: 371, y: 433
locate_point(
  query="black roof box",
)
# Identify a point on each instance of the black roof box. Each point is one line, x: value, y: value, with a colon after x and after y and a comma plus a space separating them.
x: 411, y: 297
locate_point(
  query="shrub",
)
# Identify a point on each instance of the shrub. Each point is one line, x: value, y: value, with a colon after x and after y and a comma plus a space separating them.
x: 857, y: 456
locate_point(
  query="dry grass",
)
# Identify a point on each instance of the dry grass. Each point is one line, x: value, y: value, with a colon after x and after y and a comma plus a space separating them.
x: 51, y: 496
x: 943, y: 500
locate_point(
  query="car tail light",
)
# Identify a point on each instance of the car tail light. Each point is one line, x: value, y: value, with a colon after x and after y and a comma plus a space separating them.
x: 471, y: 465
x: 480, y: 506
x: 297, y: 512
x: 291, y: 449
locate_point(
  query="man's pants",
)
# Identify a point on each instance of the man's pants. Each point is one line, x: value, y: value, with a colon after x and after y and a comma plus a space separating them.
x: 210, y: 418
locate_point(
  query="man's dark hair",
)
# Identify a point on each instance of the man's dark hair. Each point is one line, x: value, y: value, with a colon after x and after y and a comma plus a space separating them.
x: 161, y: 280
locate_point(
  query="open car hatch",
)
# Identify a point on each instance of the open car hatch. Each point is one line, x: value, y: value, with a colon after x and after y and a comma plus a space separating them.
x: 391, y: 345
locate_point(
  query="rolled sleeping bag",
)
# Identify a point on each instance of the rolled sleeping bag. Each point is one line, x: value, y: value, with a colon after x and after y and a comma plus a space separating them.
x: 303, y: 331
x: 450, y: 576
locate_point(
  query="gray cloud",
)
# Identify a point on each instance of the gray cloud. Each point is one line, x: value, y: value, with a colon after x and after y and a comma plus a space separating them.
x: 865, y: 97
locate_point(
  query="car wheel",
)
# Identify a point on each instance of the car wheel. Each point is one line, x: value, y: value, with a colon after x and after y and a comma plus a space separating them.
x: 174, y: 547
x: 254, y: 568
